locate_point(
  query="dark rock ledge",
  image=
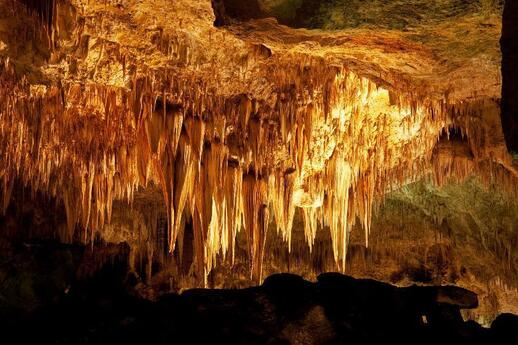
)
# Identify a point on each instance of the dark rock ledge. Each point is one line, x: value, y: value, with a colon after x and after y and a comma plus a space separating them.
x: 286, y: 309
x: 60, y: 294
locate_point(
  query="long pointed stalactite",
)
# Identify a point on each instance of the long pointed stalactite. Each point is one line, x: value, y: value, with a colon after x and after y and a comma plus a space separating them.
x: 190, y: 158
x: 327, y: 140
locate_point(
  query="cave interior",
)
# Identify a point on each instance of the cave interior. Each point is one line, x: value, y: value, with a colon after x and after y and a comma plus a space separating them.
x: 258, y: 171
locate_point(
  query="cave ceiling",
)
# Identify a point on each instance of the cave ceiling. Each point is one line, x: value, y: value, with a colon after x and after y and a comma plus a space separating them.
x: 228, y: 115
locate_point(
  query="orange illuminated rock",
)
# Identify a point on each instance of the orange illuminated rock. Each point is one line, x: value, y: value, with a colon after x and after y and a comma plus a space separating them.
x: 235, y: 125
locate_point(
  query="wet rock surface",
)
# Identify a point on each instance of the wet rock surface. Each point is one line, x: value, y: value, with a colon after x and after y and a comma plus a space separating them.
x: 102, y: 308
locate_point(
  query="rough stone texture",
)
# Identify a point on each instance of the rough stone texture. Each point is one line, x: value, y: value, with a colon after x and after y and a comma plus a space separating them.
x: 286, y: 309
x: 509, y: 44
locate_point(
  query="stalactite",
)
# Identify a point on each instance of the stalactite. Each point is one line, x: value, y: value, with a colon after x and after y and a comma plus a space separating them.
x: 256, y: 217
x: 310, y: 226
x: 185, y: 174
x: 327, y: 140
x: 336, y: 206
x: 47, y: 13
x: 283, y: 185
x: 233, y: 206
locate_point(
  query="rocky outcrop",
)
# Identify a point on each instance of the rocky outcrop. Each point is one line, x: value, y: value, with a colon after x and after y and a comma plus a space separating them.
x: 286, y: 309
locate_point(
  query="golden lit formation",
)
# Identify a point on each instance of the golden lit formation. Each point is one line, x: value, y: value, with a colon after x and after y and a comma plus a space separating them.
x: 272, y: 129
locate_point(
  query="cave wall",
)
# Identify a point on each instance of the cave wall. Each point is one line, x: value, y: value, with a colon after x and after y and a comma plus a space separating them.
x: 509, y: 44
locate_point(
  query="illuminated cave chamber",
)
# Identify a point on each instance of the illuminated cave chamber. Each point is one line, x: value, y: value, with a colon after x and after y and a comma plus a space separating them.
x: 195, y: 143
